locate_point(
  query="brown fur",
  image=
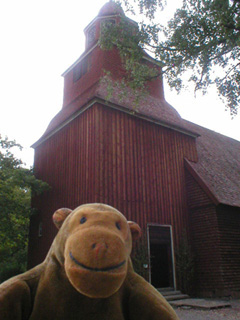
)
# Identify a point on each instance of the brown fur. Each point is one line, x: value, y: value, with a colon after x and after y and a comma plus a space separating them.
x: 86, y: 275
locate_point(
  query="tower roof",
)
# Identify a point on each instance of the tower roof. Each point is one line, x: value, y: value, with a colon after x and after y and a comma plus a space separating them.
x: 111, y: 8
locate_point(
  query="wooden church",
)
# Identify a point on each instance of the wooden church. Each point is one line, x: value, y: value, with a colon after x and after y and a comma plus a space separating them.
x: 174, y: 178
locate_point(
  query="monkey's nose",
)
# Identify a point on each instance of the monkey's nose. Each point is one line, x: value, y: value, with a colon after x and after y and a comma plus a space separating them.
x: 100, y: 249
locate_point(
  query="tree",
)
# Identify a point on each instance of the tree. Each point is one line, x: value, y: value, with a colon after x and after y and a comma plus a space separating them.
x: 201, y: 41
x: 16, y: 186
x: 185, y: 261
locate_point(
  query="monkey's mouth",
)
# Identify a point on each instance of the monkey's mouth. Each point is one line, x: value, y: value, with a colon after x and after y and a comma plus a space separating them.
x: 106, y: 269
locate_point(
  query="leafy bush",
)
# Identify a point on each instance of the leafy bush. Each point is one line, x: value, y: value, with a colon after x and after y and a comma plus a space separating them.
x: 140, y: 258
x: 184, y: 265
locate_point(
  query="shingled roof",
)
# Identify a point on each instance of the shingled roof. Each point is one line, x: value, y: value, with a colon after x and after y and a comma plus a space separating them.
x: 150, y: 108
x: 218, y: 166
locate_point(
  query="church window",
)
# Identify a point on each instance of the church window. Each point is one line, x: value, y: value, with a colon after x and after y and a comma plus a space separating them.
x: 91, y: 36
x: 81, y: 69
x: 40, y: 230
x: 108, y: 23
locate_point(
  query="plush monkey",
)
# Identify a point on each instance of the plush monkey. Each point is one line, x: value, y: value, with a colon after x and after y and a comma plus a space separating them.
x: 87, y: 274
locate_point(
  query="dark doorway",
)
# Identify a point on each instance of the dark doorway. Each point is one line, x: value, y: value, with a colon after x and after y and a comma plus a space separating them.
x: 161, y: 264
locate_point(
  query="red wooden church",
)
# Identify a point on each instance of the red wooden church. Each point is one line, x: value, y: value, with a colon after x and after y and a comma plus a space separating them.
x: 169, y: 175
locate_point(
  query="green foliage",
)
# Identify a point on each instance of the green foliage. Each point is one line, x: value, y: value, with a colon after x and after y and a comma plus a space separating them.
x: 184, y: 265
x: 204, y: 37
x: 201, y: 41
x: 129, y: 40
x: 16, y: 185
x: 140, y: 258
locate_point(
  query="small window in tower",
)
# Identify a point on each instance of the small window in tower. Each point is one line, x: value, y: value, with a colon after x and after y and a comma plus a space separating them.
x: 81, y: 69
x: 40, y: 230
x: 108, y: 23
x: 91, y: 36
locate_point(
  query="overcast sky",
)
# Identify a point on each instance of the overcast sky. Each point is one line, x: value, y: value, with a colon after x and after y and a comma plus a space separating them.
x: 39, y: 41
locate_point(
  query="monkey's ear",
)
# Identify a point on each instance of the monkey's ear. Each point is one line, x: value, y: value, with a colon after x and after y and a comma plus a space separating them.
x: 135, y: 230
x: 60, y: 215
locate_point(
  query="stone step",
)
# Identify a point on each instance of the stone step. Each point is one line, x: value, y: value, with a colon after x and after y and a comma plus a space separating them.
x: 176, y: 297
x: 165, y: 289
x: 172, y: 295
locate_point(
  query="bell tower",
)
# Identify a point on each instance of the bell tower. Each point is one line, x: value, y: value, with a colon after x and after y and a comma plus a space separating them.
x: 110, y: 12
x: 89, y: 68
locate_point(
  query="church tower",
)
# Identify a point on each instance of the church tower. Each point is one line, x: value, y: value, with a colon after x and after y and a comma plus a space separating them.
x: 82, y: 79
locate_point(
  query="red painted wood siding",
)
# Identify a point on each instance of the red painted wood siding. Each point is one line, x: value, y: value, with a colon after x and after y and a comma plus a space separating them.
x: 105, y: 155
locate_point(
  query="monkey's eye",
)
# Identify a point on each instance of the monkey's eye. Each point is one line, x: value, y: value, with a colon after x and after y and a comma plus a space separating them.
x: 118, y: 225
x: 83, y: 220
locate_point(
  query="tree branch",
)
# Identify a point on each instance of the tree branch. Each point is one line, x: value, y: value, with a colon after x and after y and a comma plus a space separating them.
x: 229, y: 71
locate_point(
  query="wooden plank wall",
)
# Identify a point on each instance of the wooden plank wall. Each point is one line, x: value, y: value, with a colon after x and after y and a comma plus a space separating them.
x: 105, y: 155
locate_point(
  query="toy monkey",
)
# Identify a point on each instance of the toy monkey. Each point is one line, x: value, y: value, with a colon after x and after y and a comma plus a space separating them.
x: 87, y: 274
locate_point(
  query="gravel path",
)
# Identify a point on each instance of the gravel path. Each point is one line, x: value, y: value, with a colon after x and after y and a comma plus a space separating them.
x: 232, y: 313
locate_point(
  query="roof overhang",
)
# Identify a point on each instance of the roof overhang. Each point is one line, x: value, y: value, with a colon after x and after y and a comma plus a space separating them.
x: 115, y: 106
x: 78, y: 60
x: 203, y: 184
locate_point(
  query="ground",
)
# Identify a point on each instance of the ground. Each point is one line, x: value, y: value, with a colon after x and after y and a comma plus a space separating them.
x: 232, y: 313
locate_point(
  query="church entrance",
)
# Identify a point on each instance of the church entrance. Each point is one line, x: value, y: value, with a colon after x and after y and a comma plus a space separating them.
x: 161, y: 271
